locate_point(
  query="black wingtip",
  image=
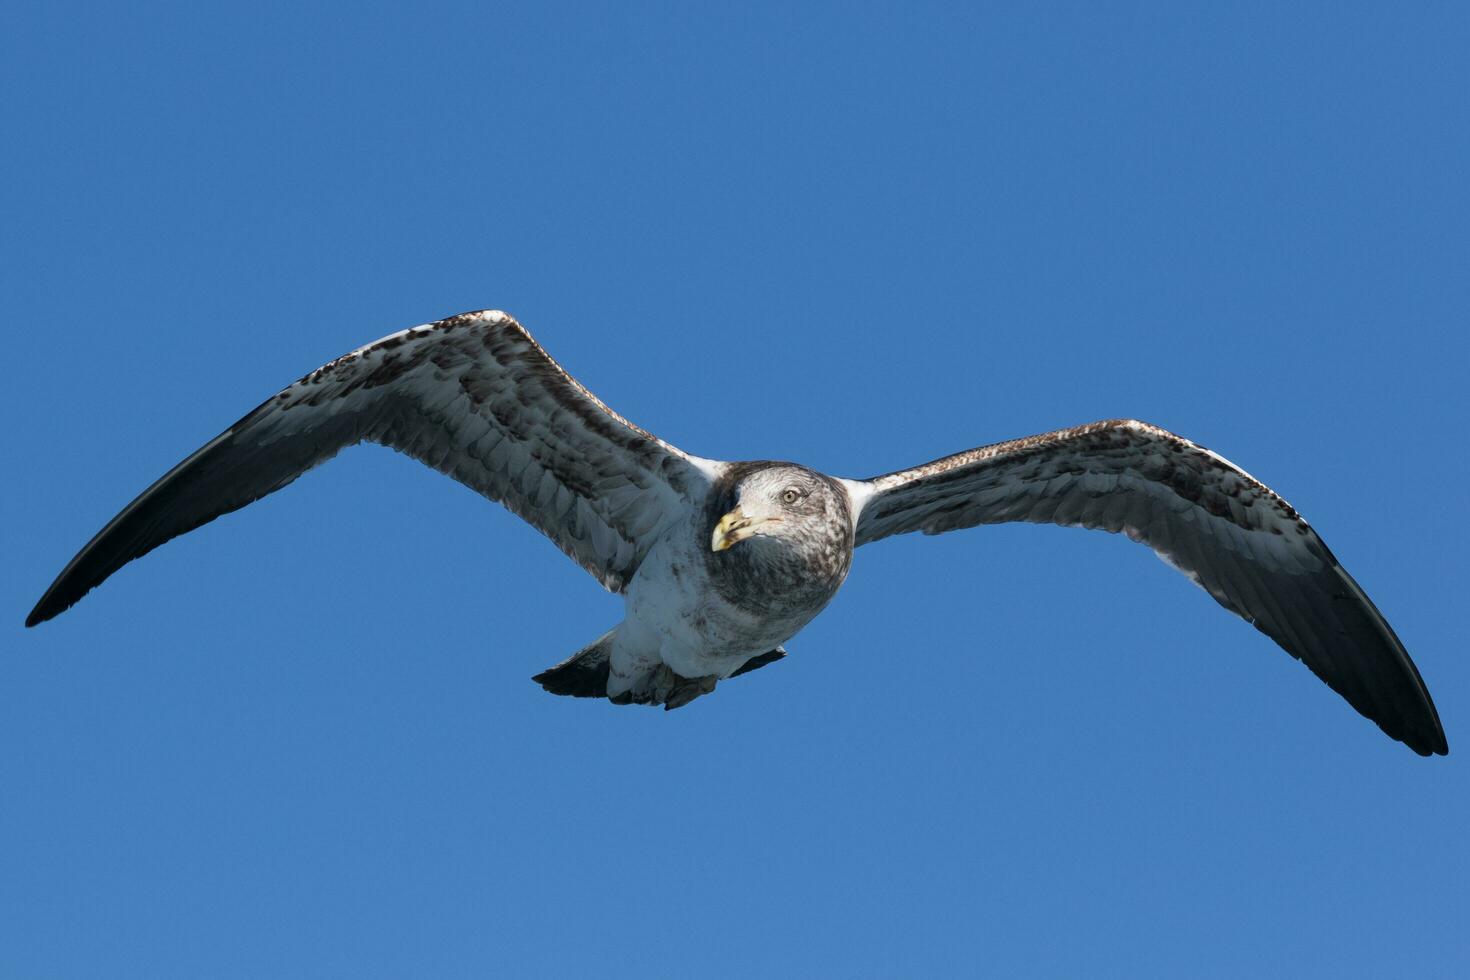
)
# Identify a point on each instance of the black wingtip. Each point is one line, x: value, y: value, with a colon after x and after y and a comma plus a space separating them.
x: 50, y: 606
x: 1427, y: 742
x: 1441, y: 747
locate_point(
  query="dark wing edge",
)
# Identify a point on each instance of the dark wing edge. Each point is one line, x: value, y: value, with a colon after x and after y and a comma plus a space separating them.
x: 1228, y: 532
x: 473, y: 396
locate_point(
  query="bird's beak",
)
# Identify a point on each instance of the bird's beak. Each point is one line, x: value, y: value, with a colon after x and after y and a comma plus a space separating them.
x: 734, y: 528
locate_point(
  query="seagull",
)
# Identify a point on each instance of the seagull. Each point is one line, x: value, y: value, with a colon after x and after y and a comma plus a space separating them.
x: 721, y: 563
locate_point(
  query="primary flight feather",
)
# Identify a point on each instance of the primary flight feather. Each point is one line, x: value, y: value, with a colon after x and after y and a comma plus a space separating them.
x: 721, y: 563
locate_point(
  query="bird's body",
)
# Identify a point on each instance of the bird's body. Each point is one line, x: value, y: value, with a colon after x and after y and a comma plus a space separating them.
x: 722, y: 563
x: 705, y: 613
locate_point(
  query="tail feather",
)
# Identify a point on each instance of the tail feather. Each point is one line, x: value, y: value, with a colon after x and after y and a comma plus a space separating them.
x: 756, y: 662
x: 584, y: 673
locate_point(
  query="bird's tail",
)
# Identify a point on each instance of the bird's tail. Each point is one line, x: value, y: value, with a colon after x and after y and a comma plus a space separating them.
x: 584, y: 673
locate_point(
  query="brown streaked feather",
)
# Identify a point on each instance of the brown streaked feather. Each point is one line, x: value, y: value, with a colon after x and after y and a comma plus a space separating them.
x: 1228, y: 532
x: 473, y: 396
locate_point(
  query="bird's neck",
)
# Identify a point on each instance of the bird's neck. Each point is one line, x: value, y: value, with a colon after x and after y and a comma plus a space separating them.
x: 767, y: 576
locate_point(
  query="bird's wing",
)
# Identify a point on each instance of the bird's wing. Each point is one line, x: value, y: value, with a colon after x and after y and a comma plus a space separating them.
x: 1228, y: 532
x: 472, y: 396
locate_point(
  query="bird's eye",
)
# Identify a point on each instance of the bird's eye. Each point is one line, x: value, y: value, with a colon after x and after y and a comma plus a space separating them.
x: 791, y: 495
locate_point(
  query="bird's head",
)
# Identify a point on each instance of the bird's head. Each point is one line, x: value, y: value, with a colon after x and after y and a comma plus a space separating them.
x: 781, y: 504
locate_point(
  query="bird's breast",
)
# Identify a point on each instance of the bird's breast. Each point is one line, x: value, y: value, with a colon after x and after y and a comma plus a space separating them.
x: 756, y: 601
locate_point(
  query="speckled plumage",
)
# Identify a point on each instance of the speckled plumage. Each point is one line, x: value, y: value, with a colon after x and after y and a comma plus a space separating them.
x: 769, y: 580
x: 721, y: 563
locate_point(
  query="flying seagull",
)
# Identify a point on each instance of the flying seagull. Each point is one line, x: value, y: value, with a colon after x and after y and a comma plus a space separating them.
x: 721, y: 563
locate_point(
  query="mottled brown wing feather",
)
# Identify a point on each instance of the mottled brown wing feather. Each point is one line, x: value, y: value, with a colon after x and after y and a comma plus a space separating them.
x: 472, y: 396
x: 1229, y: 533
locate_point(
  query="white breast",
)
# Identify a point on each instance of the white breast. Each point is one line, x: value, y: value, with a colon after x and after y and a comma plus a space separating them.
x: 699, y: 632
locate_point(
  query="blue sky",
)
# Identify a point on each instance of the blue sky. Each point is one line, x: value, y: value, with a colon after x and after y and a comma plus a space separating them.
x: 302, y: 741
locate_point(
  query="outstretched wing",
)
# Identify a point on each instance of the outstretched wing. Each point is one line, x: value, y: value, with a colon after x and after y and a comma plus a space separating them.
x: 1228, y: 532
x: 472, y: 396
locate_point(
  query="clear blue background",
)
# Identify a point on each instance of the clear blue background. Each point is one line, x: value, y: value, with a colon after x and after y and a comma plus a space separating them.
x: 302, y: 741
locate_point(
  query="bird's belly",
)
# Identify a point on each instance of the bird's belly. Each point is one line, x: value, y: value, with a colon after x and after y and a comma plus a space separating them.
x: 700, y: 632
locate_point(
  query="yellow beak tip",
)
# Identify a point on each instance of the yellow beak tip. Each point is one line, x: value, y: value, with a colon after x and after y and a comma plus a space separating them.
x: 726, y: 532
